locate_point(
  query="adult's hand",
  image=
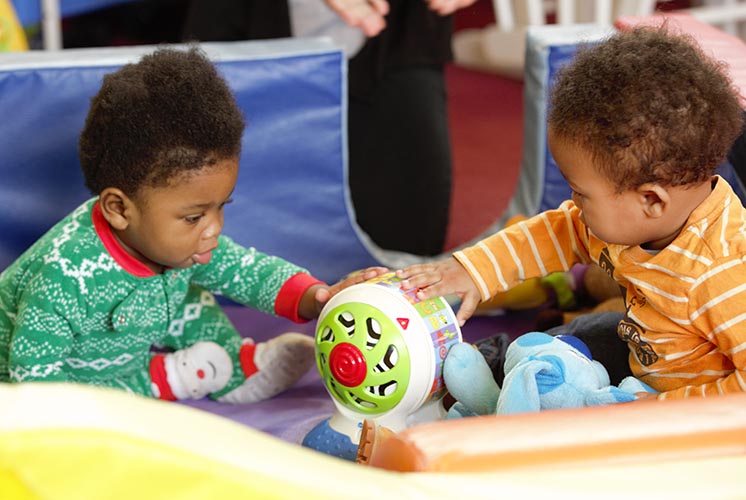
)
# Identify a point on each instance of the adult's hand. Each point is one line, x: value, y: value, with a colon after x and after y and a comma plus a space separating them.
x: 368, y: 15
x: 445, y: 7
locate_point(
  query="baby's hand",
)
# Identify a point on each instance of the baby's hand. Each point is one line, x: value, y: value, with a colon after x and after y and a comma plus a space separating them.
x: 368, y: 15
x: 443, y: 277
x: 323, y: 294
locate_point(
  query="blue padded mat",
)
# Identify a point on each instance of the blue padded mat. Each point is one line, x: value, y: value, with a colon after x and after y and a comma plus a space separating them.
x: 291, y: 198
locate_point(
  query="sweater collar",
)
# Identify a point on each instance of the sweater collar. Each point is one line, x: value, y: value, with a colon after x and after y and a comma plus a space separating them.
x: 119, y: 254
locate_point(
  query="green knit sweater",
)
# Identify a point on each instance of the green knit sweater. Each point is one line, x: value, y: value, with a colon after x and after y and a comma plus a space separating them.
x: 72, y: 310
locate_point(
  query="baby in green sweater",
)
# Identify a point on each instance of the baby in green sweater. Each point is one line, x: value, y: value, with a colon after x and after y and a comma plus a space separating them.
x: 137, y: 265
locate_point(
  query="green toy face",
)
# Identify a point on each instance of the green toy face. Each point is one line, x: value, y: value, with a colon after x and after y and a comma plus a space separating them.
x: 362, y: 358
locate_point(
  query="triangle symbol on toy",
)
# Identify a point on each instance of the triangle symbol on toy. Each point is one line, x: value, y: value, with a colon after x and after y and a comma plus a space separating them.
x: 404, y: 322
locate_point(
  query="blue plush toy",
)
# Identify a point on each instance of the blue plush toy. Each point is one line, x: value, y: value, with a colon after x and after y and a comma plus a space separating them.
x: 541, y: 372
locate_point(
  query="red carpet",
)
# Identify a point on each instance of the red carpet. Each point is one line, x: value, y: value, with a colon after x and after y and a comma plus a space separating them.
x: 486, y: 120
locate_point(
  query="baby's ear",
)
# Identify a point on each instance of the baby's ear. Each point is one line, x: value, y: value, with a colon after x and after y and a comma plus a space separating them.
x: 115, y: 206
x: 654, y: 198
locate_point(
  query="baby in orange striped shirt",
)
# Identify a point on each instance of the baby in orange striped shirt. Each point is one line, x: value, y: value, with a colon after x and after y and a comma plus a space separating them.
x: 638, y: 125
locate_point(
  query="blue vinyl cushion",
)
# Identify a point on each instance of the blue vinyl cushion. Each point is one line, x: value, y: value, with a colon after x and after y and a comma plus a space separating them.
x: 291, y: 198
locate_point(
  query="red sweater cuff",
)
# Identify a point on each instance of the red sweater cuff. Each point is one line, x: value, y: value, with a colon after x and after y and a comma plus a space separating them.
x: 291, y: 293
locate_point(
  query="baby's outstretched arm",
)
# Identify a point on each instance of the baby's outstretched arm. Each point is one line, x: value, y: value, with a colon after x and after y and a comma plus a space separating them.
x: 318, y: 295
x: 443, y: 277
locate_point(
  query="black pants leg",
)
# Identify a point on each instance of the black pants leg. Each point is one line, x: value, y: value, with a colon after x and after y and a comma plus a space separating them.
x: 400, y: 160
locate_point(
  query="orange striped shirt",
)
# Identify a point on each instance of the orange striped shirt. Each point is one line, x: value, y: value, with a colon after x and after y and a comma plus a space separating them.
x: 686, y: 304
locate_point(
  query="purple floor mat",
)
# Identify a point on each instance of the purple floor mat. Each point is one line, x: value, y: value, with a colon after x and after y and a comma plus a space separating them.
x: 293, y: 413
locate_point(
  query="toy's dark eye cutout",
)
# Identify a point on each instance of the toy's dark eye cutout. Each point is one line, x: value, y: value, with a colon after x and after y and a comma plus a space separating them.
x: 374, y: 330
x: 389, y: 360
x: 327, y: 335
x: 384, y: 389
x: 347, y: 320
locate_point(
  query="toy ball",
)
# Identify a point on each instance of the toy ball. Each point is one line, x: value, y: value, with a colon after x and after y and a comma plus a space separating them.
x: 380, y: 353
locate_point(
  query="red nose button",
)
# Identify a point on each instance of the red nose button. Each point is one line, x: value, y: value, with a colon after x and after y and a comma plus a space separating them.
x: 347, y: 365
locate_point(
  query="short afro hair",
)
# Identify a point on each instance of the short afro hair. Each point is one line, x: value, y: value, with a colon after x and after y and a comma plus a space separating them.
x: 648, y: 106
x: 166, y: 115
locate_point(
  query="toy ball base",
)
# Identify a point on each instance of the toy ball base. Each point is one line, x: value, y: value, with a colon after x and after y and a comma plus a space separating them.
x: 326, y: 440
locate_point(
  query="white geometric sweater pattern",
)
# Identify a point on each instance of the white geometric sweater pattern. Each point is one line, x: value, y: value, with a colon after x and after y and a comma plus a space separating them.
x: 69, y: 311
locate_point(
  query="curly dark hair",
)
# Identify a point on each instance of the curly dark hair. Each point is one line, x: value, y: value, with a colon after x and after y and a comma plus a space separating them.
x: 648, y: 106
x: 151, y: 121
